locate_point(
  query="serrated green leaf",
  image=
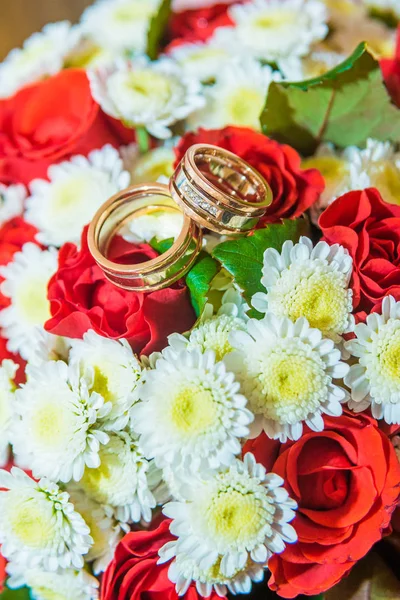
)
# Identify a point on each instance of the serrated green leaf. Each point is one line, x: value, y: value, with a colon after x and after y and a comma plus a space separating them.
x: 157, y: 28
x: 243, y: 257
x: 199, y: 280
x: 19, y: 594
x: 345, y: 106
x: 161, y: 246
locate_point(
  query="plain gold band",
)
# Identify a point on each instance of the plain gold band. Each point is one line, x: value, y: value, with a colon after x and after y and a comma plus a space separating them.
x: 154, y: 274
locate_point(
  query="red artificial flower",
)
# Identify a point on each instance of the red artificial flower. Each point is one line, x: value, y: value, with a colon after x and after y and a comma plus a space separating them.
x: 3, y: 573
x: 345, y: 480
x: 294, y: 190
x: 391, y: 72
x: 49, y: 121
x: 198, y: 25
x: 133, y: 574
x: 370, y: 230
x: 81, y: 298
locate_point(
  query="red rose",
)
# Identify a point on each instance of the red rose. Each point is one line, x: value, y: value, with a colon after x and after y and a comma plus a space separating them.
x: 346, y: 482
x: 370, y: 230
x: 133, y: 574
x: 294, y: 190
x: 81, y: 298
x: 49, y: 121
x: 198, y: 25
x: 391, y: 72
x: 3, y: 573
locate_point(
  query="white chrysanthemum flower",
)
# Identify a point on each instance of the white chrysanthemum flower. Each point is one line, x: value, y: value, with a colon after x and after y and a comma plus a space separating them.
x: 375, y: 379
x: 119, y: 25
x: 12, y: 200
x: 49, y: 347
x: 238, y: 96
x: 377, y: 165
x: 390, y: 8
x: 159, y: 224
x: 192, y: 413
x: 125, y: 480
x: 57, y: 431
x: 105, y: 531
x: 227, y: 523
x: 205, y: 62
x: 275, y: 29
x: 8, y: 369
x: 38, y: 525
x: 155, y: 165
x: 310, y: 282
x: 213, y: 331
x: 25, y: 282
x: 41, y: 55
x: 62, y: 205
x: 114, y: 372
x: 286, y: 371
x: 64, y: 584
x: 154, y: 95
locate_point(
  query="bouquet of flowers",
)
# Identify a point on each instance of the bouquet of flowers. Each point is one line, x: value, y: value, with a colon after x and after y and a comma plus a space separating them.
x: 232, y: 427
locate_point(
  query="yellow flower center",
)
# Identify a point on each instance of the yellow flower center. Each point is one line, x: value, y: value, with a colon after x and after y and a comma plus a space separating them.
x: 100, y: 483
x: 275, y: 19
x: 386, y: 178
x: 193, y: 410
x: 330, y: 167
x: 53, y: 424
x: 321, y: 295
x: 101, y: 384
x: 290, y: 382
x: 31, y: 523
x: 389, y: 357
x: 31, y: 301
x: 46, y: 593
x: 133, y: 11
x: 244, y: 107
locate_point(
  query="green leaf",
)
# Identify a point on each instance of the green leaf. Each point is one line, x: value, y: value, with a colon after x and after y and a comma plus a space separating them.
x: 345, y: 106
x: 161, y: 246
x: 243, y: 257
x: 157, y: 28
x: 19, y: 594
x: 199, y: 280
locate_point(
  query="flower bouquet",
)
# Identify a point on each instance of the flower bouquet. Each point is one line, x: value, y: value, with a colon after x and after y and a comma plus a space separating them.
x: 204, y: 401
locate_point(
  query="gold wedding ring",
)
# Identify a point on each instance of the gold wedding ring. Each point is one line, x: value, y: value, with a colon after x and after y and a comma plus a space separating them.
x: 156, y: 273
x: 219, y: 190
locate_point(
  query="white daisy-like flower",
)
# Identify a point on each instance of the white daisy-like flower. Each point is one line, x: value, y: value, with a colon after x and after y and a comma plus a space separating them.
x: 238, y: 96
x: 119, y: 25
x: 105, y: 530
x: 310, y: 282
x: 275, y: 29
x: 213, y: 331
x: 38, y: 525
x: 49, y: 347
x: 8, y: 369
x: 237, y: 518
x: 12, y: 198
x: 286, y: 371
x: 202, y: 61
x: 154, y: 95
x: 375, y: 379
x: 192, y: 414
x: 57, y: 430
x: 389, y: 8
x: 42, y: 54
x: 63, y: 584
x: 125, y: 480
x: 155, y: 165
x: 159, y: 224
x: 25, y: 282
x: 113, y: 372
x: 62, y: 205
x: 376, y: 165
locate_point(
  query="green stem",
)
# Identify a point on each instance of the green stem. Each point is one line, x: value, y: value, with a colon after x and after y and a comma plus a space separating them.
x: 143, y: 139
